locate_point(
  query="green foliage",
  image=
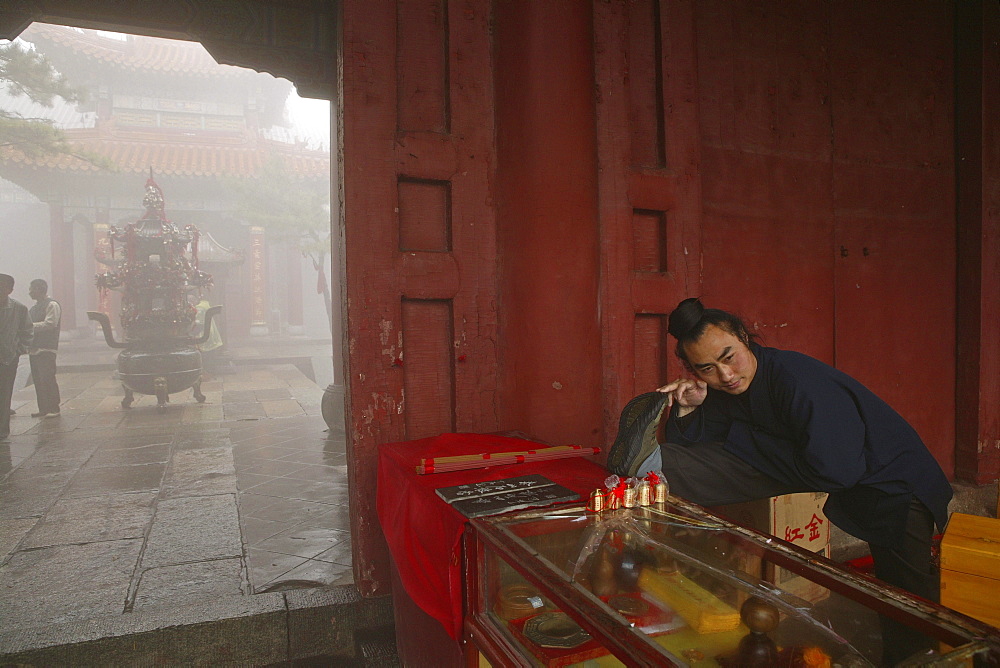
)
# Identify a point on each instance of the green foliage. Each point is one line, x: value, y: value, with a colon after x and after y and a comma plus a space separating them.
x: 25, y: 72
x: 288, y: 208
x: 29, y: 73
x: 32, y: 136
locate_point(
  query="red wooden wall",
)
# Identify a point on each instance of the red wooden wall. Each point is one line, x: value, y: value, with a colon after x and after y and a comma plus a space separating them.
x: 530, y: 187
x: 829, y: 189
x: 421, y: 349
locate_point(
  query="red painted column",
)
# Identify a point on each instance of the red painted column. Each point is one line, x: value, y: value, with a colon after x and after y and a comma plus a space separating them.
x: 419, y: 254
x: 550, y: 344
x: 977, y: 447
x: 62, y: 283
x: 258, y: 282
x: 293, y: 287
x: 102, y: 248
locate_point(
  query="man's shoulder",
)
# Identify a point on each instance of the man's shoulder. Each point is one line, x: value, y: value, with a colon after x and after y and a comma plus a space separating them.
x: 784, y: 355
x: 18, y: 306
x: 791, y: 362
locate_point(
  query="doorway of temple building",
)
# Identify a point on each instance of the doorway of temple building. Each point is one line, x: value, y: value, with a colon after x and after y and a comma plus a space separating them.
x: 245, y: 165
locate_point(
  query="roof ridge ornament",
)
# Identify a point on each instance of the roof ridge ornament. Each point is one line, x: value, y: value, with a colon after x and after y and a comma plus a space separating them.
x: 153, y: 199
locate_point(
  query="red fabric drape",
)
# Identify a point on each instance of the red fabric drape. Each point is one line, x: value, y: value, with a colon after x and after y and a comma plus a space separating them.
x: 424, y: 532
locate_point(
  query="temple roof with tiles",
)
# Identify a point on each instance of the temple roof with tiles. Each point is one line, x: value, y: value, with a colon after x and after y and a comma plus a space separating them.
x: 179, y: 157
x: 159, y: 103
x: 135, y: 53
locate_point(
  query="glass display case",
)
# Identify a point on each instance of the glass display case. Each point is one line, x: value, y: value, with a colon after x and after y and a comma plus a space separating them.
x: 671, y: 584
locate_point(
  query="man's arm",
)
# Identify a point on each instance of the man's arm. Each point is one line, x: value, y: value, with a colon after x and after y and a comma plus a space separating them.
x: 53, y: 313
x: 25, y: 331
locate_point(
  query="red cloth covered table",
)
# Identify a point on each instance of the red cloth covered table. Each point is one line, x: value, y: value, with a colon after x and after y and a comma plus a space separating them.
x: 424, y: 532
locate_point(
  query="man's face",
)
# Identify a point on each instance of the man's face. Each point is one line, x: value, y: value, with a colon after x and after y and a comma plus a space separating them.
x: 722, y: 360
x: 35, y: 291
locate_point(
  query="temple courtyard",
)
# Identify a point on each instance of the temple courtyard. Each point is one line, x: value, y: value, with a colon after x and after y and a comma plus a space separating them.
x: 205, y: 533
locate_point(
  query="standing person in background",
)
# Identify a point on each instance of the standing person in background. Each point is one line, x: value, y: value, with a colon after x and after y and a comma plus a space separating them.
x: 210, y: 350
x: 15, y: 337
x: 46, y: 315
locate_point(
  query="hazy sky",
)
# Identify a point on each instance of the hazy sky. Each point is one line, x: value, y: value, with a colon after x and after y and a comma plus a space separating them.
x: 313, y: 116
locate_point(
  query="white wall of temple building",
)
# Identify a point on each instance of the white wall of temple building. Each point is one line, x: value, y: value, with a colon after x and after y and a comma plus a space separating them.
x: 24, y: 239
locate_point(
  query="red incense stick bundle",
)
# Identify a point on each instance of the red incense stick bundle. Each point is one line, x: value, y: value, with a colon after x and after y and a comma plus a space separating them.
x: 486, y: 459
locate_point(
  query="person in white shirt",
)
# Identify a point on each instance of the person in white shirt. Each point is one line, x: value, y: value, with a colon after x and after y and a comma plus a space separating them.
x: 46, y: 315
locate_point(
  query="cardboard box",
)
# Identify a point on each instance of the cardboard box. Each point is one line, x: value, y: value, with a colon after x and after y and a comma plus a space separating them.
x: 970, y: 567
x: 796, y: 518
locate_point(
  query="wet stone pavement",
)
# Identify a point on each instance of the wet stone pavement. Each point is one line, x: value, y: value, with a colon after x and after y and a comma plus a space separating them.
x: 108, y: 512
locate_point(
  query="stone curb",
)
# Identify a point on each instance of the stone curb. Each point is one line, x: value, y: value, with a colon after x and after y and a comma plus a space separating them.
x: 261, y: 629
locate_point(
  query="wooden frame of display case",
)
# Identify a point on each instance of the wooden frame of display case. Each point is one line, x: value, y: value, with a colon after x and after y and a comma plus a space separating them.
x: 633, y: 647
x: 578, y: 603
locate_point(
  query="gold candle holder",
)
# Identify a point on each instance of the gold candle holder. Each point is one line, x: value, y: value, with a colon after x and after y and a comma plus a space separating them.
x: 660, y: 493
x: 631, y: 497
x: 645, y: 494
x: 596, y: 503
x: 613, y: 502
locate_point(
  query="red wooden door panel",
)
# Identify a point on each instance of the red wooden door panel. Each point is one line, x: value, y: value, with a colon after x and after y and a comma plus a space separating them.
x: 648, y: 188
x: 419, y: 237
x: 894, y: 211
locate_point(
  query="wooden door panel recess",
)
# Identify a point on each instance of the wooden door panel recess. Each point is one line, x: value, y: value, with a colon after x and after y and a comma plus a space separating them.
x: 420, y: 229
x: 649, y: 188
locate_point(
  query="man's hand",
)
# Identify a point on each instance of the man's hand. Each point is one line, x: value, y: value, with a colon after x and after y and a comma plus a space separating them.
x: 687, y: 393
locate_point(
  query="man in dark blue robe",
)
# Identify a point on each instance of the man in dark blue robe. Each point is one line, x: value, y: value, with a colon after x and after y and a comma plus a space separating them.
x: 757, y: 422
x: 811, y: 427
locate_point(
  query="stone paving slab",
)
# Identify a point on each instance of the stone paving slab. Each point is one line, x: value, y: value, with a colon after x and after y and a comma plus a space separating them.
x: 189, y: 583
x: 201, y: 472
x: 13, y: 531
x: 153, y: 453
x: 88, y: 579
x: 92, y: 520
x: 254, y: 634
x: 98, y: 480
x: 193, y: 529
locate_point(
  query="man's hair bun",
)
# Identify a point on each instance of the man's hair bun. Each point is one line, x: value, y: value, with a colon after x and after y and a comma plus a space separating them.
x: 685, y: 317
x: 690, y: 319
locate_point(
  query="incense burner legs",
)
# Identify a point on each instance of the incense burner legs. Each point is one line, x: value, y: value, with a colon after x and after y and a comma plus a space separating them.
x: 159, y: 367
x: 160, y: 371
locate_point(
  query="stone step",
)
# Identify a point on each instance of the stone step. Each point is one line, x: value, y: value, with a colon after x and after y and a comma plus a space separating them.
x: 376, y: 647
x: 276, y: 628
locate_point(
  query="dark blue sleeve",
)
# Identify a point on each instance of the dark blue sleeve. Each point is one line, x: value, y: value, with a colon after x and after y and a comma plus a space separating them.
x: 815, y: 435
x: 707, y: 423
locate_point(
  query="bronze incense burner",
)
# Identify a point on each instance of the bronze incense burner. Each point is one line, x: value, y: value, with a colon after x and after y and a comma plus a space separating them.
x: 156, y: 273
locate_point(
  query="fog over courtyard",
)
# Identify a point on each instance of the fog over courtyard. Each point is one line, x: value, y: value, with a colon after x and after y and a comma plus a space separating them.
x: 224, y: 144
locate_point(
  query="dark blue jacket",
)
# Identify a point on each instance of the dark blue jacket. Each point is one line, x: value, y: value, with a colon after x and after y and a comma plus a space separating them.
x: 814, y: 427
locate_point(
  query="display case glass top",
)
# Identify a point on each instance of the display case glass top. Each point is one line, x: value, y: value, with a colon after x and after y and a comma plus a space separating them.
x: 673, y: 584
